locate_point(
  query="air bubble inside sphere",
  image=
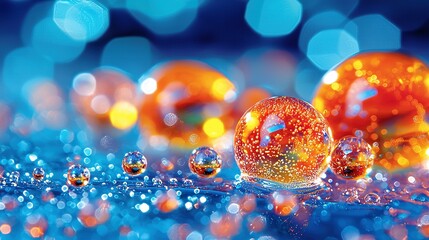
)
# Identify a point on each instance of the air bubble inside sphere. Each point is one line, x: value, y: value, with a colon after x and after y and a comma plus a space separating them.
x: 384, y: 95
x: 205, y: 162
x: 134, y: 163
x: 187, y: 103
x: 78, y: 176
x: 282, y: 141
x: 352, y: 158
x: 38, y: 174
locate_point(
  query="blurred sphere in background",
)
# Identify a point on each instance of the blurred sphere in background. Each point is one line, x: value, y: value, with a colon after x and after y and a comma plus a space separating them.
x: 187, y: 103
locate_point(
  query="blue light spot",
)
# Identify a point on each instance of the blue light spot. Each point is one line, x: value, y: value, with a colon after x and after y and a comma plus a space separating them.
x: 353, y: 110
x: 374, y: 32
x: 330, y: 47
x: 81, y: 20
x: 157, y: 10
x: 369, y: 93
x: 53, y: 43
x: 131, y: 54
x: 23, y: 65
x: 265, y: 141
x: 164, y: 17
x: 276, y: 127
x: 273, y: 18
x: 307, y: 79
x: 317, y: 23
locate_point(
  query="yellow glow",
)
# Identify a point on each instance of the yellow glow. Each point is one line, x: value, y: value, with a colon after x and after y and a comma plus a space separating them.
x: 335, y: 86
x: 220, y: 87
x: 123, y: 115
x: 213, y: 127
x: 403, y: 161
x: 252, y: 122
x: 427, y: 151
x: 357, y: 64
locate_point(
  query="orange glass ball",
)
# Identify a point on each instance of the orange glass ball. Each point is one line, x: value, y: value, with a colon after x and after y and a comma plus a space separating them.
x: 186, y: 103
x: 282, y: 140
x: 352, y: 158
x: 106, y: 98
x: 384, y: 95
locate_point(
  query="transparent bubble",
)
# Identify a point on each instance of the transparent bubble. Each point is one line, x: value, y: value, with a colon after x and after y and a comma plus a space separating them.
x: 282, y: 140
x: 38, y: 174
x: 205, y: 162
x: 78, y: 176
x: 352, y: 158
x: 134, y: 163
x: 372, y: 198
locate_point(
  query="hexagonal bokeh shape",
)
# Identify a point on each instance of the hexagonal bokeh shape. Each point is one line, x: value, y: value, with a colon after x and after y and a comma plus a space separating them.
x: 81, y: 20
x: 330, y: 47
x: 375, y: 32
x: 273, y: 18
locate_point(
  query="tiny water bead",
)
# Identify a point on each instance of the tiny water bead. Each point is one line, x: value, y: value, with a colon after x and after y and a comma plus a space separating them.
x: 38, y: 174
x: 78, y: 176
x: 189, y: 104
x: 352, y: 158
x: 134, y: 163
x: 205, y: 162
x: 282, y: 140
x: 385, y: 96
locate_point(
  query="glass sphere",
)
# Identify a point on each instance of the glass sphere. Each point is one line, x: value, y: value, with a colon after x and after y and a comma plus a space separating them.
x: 384, y: 95
x: 134, y: 163
x: 106, y: 98
x: 205, y: 162
x: 38, y: 174
x: 282, y: 140
x: 187, y: 103
x: 352, y: 158
x: 78, y: 176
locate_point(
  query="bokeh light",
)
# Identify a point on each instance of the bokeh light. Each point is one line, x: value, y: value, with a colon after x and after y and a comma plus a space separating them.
x: 51, y: 42
x: 273, y: 18
x: 131, y: 54
x: 374, y: 32
x: 321, y: 21
x: 162, y: 17
x: 190, y: 103
x: 330, y: 47
x: 22, y: 65
x: 81, y: 20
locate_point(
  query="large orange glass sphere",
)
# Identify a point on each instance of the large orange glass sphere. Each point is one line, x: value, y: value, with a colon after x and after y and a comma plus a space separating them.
x: 106, y: 98
x: 187, y: 103
x: 282, y: 140
x: 384, y: 95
